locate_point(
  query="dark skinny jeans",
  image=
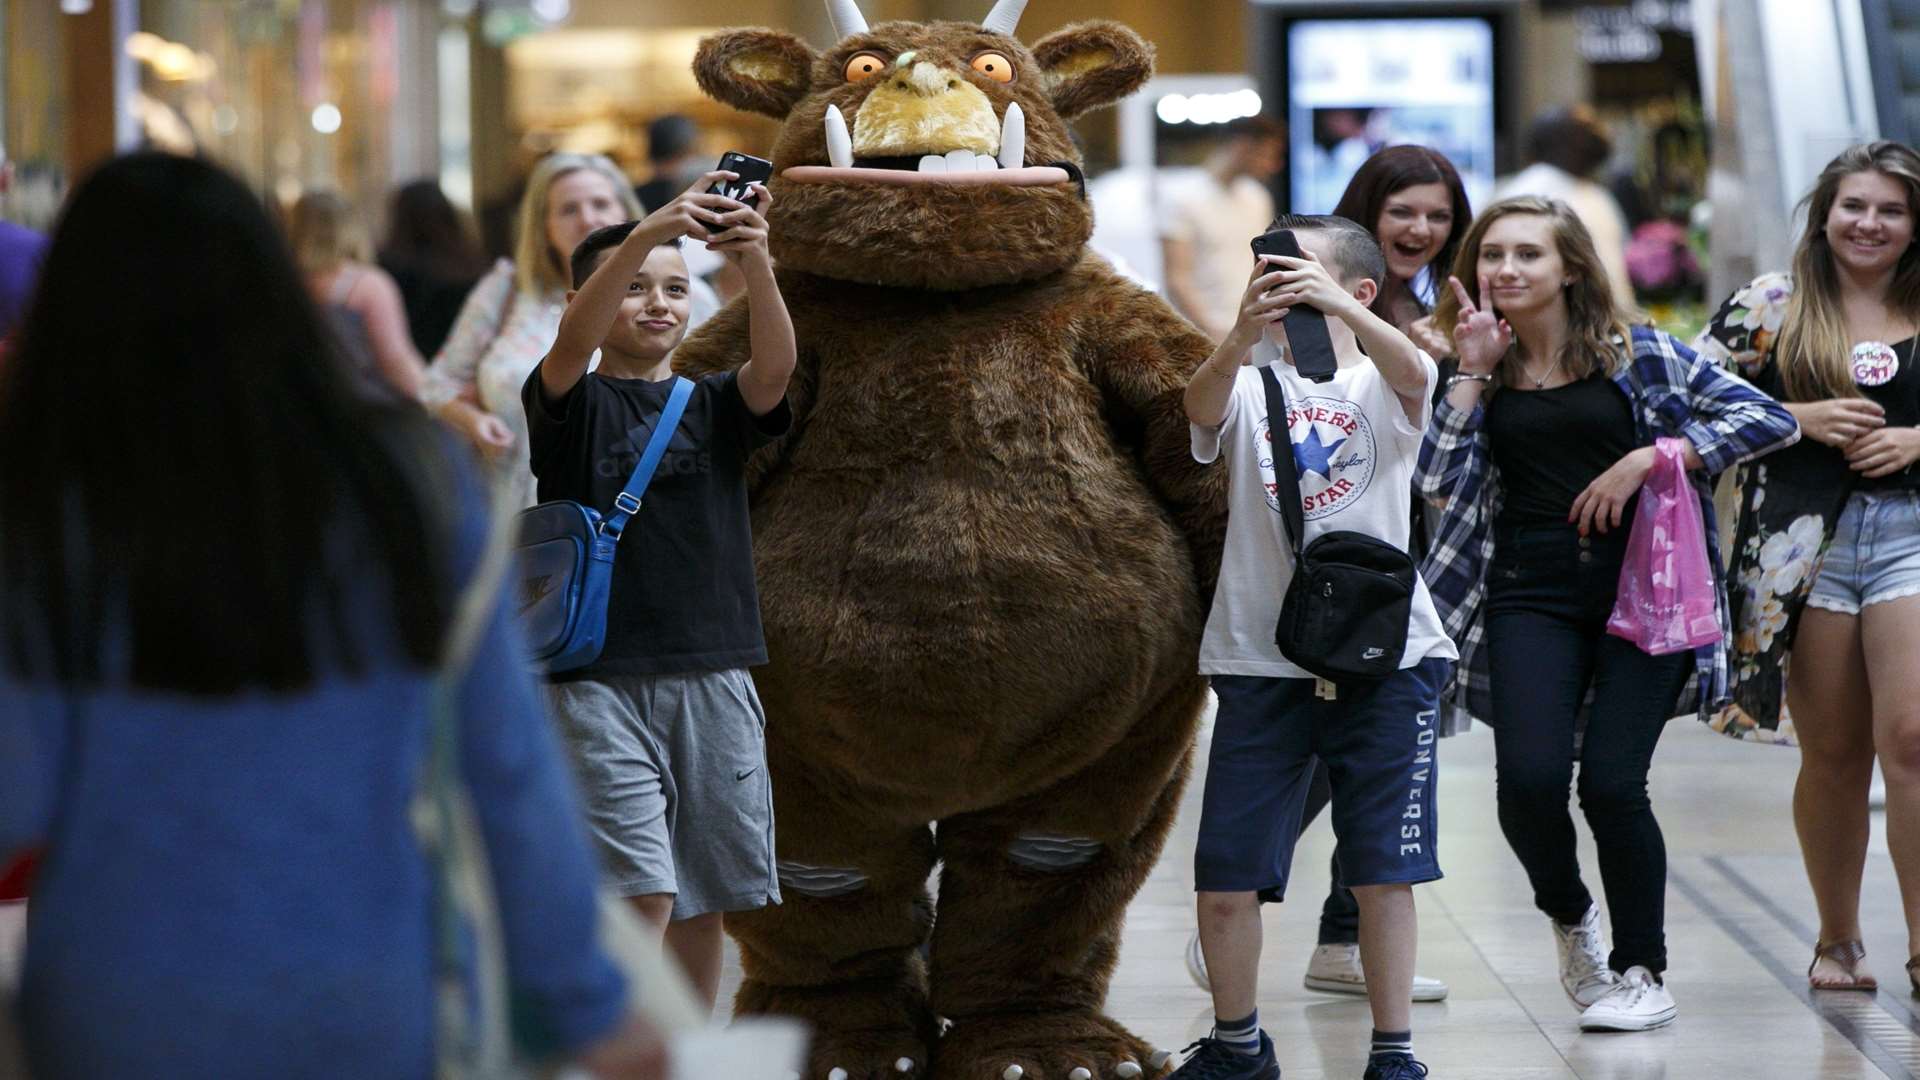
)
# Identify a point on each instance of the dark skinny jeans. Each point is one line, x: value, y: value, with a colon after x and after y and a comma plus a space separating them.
x: 1549, y: 594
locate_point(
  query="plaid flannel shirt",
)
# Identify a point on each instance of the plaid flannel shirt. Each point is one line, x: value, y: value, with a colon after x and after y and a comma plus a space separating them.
x: 1675, y: 394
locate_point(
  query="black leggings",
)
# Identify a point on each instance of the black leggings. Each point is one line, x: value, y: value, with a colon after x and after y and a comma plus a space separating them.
x: 1549, y: 594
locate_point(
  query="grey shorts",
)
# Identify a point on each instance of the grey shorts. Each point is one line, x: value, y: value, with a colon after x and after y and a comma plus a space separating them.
x: 673, y: 769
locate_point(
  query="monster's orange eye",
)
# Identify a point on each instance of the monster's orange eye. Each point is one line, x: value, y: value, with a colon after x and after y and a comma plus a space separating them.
x: 994, y: 66
x: 864, y: 66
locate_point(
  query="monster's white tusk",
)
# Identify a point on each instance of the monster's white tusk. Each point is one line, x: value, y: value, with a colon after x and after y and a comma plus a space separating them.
x: 1005, y: 17
x: 839, y: 143
x: 847, y: 20
x: 1013, y: 138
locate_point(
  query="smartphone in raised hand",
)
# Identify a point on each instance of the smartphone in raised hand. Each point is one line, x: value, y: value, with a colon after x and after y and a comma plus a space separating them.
x: 1307, y: 336
x: 750, y: 170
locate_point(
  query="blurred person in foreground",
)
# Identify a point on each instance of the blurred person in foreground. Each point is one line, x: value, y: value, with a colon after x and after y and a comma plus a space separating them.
x: 1204, y: 236
x: 230, y: 577
x: 1565, y: 149
x: 360, y: 300
x: 434, y: 259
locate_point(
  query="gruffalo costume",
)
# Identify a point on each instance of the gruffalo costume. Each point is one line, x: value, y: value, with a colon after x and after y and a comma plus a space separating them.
x: 982, y: 551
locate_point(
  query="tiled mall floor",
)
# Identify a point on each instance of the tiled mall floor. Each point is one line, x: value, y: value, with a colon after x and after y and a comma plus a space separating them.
x: 1738, y: 928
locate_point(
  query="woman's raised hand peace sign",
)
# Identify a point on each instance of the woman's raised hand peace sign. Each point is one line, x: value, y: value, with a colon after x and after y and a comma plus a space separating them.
x: 1480, y: 337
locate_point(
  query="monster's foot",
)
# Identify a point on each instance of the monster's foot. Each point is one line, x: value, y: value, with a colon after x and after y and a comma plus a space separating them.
x: 861, y: 1031
x: 1065, y: 1045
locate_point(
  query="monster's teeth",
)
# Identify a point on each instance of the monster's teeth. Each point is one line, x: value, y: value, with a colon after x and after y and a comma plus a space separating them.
x: 839, y: 143
x: 959, y: 161
x: 1013, y: 138
x: 933, y: 163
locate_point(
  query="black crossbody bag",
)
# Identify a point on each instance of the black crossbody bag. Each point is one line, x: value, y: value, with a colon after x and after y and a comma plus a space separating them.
x: 1346, y: 611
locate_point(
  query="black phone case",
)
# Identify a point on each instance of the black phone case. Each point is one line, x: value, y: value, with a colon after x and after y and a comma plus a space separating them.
x: 1307, y: 336
x: 750, y: 170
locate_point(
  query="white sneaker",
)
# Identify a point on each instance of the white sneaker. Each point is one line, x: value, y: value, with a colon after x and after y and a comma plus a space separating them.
x: 1637, y: 1002
x: 1335, y: 969
x: 1197, y: 963
x: 1584, y: 973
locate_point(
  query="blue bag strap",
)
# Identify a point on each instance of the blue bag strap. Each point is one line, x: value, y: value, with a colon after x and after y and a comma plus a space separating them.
x: 628, y: 501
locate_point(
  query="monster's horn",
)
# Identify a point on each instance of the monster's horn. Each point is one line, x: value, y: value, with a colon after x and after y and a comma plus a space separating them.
x: 1005, y: 16
x: 847, y: 20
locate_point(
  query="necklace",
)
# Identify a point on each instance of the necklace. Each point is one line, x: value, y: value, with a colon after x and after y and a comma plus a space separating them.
x: 1540, y: 381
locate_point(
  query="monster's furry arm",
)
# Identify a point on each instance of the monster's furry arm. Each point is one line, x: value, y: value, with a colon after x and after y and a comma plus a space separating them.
x: 1141, y: 354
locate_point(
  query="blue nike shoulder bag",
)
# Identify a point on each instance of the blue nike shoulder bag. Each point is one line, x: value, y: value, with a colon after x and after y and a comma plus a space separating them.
x: 565, y: 558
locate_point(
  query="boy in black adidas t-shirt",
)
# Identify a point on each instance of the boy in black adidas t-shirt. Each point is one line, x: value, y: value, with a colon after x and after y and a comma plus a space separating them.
x: 665, y: 727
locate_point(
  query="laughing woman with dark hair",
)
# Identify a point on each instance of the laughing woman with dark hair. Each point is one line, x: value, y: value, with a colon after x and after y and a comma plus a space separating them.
x: 225, y: 581
x: 1412, y: 200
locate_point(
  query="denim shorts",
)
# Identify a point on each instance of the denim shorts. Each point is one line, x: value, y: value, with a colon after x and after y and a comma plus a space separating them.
x: 1875, y: 555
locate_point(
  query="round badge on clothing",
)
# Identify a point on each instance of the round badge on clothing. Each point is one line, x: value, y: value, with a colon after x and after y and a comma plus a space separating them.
x: 1875, y: 363
x: 1333, y: 455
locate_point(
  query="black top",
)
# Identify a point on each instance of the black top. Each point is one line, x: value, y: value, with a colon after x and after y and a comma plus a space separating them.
x: 657, y: 193
x: 683, y: 596
x: 1892, y: 382
x: 1550, y: 444
x: 433, y: 300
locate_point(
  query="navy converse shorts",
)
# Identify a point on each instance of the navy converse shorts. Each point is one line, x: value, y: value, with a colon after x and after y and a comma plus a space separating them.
x: 1379, y: 742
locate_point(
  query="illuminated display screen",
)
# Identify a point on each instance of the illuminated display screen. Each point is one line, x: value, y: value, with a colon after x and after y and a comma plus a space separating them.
x: 1357, y: 85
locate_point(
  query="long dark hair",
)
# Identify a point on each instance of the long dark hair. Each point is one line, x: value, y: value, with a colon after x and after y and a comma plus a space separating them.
x: 187, y: 476
x: 1391, y: 171
x: 425, y: 230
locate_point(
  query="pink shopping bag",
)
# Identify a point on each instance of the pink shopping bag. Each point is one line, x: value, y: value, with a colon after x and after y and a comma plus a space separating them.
x: 1666, y: 599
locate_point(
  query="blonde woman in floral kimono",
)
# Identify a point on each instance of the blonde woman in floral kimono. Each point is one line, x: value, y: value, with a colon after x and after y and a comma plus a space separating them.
x: 1827, y: 553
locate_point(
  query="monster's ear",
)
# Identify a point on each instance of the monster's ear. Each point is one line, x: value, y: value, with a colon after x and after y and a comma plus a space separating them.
x: 762, y: 71
x: 1091, y: 64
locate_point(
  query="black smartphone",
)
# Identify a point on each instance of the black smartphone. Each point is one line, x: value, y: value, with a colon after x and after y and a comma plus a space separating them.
x: 750, y: 170
x: 1307, y: 336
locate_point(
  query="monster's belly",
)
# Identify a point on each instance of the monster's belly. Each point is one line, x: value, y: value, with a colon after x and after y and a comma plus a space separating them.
x: 981, y: 581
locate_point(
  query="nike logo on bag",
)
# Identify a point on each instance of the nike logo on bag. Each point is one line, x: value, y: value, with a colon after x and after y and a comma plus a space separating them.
x: 742, y: 774
x: 533, y: 590
x: 1373, y: 653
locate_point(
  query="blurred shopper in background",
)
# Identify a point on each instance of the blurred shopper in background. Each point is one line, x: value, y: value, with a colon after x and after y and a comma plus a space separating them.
x: 1566, y: 149
x: 673, y: 160
x: 1836, y: 341
x: 20, y: 252
x: 509, y: 321
x: 1205, y: 233
x: 434, y: 259
x: 229, y: 580
x: 1540, y: 449
x: 358, y: 298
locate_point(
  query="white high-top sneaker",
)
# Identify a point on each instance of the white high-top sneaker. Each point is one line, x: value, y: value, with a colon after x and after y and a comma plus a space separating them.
x: 1584, y: 973
x: 1637, y: 1002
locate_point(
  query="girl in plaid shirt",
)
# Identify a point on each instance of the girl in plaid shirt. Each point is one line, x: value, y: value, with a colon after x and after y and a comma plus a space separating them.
x: 1536, y: 456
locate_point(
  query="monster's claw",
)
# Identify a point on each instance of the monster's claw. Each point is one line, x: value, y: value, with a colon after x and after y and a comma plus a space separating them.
x: 837, y: 1074
x: 904, y: 1065
x: 1080, y: 1074
x: 1014, y: 1072
x: 1127, y: 1070
x: 1159, y: 1059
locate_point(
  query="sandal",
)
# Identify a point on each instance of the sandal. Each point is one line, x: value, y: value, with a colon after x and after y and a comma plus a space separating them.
x: 1848, y: 955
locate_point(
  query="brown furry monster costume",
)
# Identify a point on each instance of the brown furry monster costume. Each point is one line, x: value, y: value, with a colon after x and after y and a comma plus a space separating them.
x: 982, y: 552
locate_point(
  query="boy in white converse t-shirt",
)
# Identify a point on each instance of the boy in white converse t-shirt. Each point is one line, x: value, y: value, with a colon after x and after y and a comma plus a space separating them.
x: 1354, y: 442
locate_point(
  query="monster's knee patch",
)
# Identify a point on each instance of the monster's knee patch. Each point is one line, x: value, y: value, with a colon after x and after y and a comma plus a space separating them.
x: 819, y: 882
x: 1053, y: 854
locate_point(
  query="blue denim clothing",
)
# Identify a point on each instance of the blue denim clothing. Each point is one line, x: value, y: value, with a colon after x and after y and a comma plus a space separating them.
x: 1676, y: 394
x: 1875, y: 555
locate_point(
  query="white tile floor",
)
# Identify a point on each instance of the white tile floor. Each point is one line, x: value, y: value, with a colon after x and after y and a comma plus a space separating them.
x: 1739, y: 918
x: 1737, y: 963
